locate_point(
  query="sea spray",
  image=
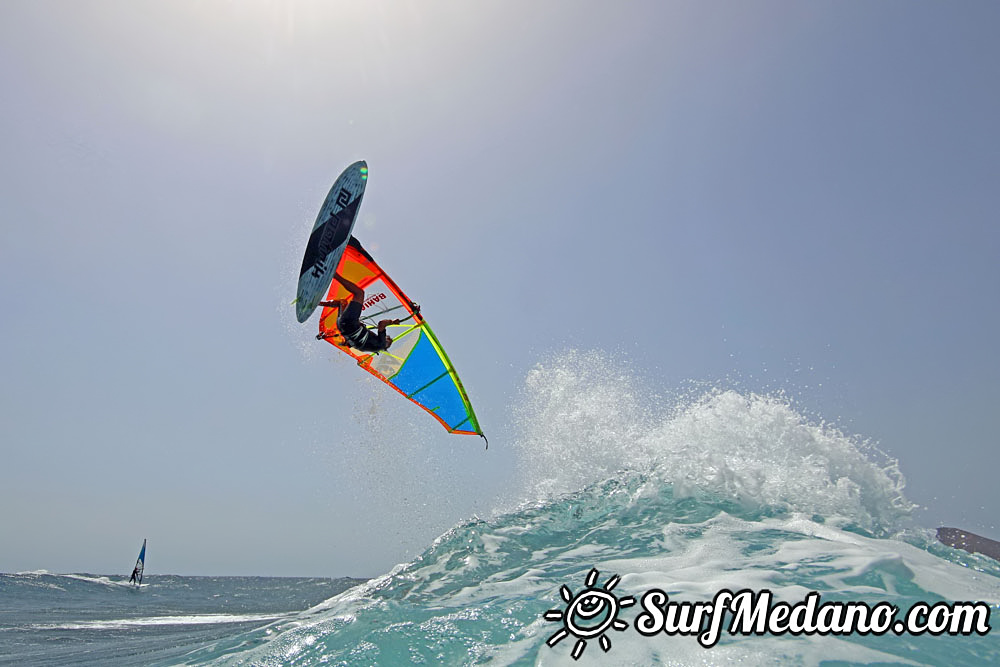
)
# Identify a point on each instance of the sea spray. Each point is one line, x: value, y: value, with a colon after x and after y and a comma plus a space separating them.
x: 583, y: 420
x: 580, y: 420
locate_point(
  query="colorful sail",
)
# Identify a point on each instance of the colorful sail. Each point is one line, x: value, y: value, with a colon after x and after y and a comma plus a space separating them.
x: 416, y: 365
x: 140, y: 565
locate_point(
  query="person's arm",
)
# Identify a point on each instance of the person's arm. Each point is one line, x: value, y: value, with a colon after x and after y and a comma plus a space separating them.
x: 381, y: 332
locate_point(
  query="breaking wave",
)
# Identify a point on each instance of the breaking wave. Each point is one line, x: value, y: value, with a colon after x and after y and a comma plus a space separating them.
x: 720, y: 490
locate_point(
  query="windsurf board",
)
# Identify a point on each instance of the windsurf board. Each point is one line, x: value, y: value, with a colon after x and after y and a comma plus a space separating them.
x: 329, y: 237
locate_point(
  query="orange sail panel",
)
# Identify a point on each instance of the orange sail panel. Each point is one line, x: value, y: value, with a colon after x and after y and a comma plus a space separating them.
x: 415, y: 365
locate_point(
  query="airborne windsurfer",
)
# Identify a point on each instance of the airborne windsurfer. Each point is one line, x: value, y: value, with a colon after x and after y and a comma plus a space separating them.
x: 357, y: 335
x: 362, y: 295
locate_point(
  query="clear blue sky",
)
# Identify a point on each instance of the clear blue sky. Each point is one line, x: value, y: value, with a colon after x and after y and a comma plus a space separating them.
x: 780, y: 195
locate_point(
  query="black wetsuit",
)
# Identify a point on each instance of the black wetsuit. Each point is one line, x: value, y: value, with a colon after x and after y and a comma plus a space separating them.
x: 357, y: 334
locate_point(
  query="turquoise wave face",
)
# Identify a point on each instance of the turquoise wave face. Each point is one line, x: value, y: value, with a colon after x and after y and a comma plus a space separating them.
x: 725, y: 491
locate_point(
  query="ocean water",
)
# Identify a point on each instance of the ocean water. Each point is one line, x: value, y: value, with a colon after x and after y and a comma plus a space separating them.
x: 618, y: 497
x: 83, y: 619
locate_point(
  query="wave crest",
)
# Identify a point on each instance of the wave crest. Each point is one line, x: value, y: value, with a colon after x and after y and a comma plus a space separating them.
x: 584, y: 420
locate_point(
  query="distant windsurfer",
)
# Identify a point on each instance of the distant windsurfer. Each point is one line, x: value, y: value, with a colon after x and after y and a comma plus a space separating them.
x: 135, y: 575
x: 358, y: 335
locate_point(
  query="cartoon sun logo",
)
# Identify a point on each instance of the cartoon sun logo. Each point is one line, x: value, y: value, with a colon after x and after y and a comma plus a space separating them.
x: 588, y: 614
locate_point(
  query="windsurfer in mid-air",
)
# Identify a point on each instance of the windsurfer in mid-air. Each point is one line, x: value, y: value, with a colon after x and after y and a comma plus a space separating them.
x: 357, y: 335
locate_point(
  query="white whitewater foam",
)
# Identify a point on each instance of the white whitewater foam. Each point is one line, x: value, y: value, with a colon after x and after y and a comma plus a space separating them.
x: 584, y: 420
x: 124, y: 623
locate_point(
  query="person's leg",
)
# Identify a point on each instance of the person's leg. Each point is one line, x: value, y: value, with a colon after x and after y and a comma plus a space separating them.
x: 357, y: 293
